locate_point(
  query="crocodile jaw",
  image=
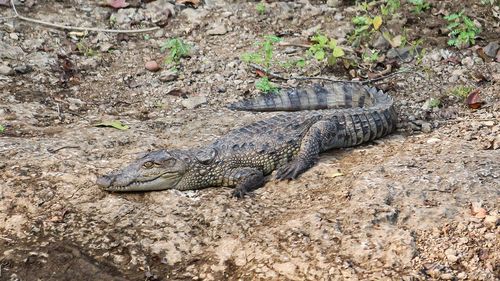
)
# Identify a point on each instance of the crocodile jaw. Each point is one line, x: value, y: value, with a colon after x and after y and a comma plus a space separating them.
x: 113, y: 183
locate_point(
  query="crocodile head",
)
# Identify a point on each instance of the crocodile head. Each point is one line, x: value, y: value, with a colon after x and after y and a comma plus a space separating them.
x: 156, y: 170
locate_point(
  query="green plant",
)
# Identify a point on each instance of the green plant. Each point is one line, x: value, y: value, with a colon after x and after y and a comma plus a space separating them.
x: 461, y: 92
x: 370, y: 56
x: 420, y: 6
x: 265, y: 53
x: 434, y: 103
x: 2, y: 128
x: 489, y: 2
x: 390, y: 7
x: 463, y: 31
x: 265, y: 86
x: 325, y: 48
x: 261, y: 8
x: 364, y: 26
x: 177, y: 50
x: 85, y: 49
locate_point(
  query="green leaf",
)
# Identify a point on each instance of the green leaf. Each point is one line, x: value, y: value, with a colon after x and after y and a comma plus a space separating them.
x: 338, y: 52
x: 332, y: 44
x: 320, y: 55
x: 114, y: 124
x: 2, y: 129
x: 300, y: 63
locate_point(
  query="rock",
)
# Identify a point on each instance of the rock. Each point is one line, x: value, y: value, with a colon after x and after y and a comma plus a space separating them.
x: 447, y: 276
x: 194, y: 102
x: 401, y: 53
x: 23, y: 69
x: 10, y: 52
x: 194, y: 15
x: 13, y: 36
x: 435, y: 56
x: 160, y: 11
x: 426, y: 127
x: 311, y: 31
x: 6, y: 70
x: 40, y: 59
x: 333, y: 3
x: 468, y: 61
x: 152, y: 66
x: 491, y: 221
x: 104, y: 47
x: 217, y: 29
x: 168, y: 75
x: 380, y: 42
x: 491, y: 49
x: 433, y: 140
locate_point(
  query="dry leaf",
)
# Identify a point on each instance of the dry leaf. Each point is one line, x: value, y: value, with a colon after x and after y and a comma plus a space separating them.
x: 480, y: 52
x: 260, y: 73
x: 194, y: 3
x: 473, y: 99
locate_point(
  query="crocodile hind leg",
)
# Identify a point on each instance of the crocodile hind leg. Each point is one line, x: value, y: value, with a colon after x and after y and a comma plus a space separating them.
x: 318, y: 134
x: 245, y: 180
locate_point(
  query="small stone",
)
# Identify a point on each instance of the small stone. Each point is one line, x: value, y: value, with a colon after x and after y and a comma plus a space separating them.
x: 23, y: 69
x: 401, y: 53
x: 426, y: 127
x: 480, y: 213
x: 468, y: 61
x: 433, y: 140
x: 333, y: 3
x: 491, y: 221
x: 152, y: 66
x: 462, y: 275
x: 380, y: 42
x: 13, y: 36
x: 104, y: 47
x: 194, y: 102
x: 168, y: 75
x: 491, y: 49
x: 5, y: 70
x: 219, y: 29
x: 446, y: 276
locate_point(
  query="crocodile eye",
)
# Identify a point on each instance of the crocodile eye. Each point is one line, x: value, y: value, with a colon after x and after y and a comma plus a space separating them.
x: 148, y: 165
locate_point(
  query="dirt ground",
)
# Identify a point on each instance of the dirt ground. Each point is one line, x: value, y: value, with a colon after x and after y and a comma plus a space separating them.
x: 421, y: 204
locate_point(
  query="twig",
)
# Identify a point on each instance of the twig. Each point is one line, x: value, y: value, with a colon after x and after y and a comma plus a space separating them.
x: 54, y: 150
x: 68, y: 27
x: 275, y: 75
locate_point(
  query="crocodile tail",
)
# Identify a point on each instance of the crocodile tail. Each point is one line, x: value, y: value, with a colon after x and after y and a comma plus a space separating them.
x: 337, y: 95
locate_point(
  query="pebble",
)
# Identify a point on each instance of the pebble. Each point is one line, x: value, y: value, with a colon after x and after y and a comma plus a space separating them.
x: 14, y: 36
x: 194, y: 102
x: 401, y: 53
x: 380, y: 42
x: 491, y: 49
x: 168, y: 75
x: 23, y: 69
x: 219, y: 29
x: 333, y: 3
x: 426, y: 127
x: 5, y: 70
x: 447, y: 276
x: 468, y: 61
x: 152, y: 66
x: 433, y: 140
x: 491, y: 220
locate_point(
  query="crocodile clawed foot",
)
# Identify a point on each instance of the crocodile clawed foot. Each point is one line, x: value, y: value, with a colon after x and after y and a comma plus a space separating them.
x: 239, y: 193
x: 291, y: 170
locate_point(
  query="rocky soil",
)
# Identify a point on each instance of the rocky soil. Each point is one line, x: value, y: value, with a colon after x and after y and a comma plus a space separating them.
x: 421, y: 204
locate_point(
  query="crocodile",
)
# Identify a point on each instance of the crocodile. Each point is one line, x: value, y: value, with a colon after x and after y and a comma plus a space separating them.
x: 316, y: 118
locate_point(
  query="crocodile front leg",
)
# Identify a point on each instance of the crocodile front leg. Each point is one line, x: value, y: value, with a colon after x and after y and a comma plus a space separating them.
x: 245, y: 180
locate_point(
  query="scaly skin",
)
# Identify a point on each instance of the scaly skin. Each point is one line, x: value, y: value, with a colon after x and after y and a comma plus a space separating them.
x: 335, y: 116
